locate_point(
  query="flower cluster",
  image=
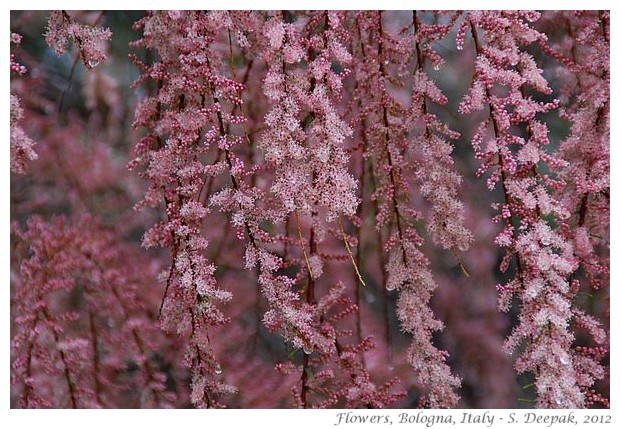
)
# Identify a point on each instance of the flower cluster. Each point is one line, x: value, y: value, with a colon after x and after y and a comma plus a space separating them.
x: 78, y: 320
x: 21, y: 144
x: 335, y: 209
x: 506, y: 80
x: 90, y: 41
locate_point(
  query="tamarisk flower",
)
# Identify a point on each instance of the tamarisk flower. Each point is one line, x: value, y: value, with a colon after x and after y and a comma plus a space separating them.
x: 439, y: 181
x: 90, y: 41
x: 21, y: 144
x: 304, y: 218
x: 544, y: 260
x: 305, y: 145
x: 396, y: 158
x: 305, y: 138
x: 337, y: 375
x: 78, y: 319
x: 584, y: 53
x: 183, y: 120
x: 306, y: 134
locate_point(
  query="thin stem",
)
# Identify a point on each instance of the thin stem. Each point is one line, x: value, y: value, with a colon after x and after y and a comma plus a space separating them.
x: 384, y: 292
x: 358, y: 253
x: 65, y: 365
x: 96, y: 364
x: 393, y: 178
x: 346, y: 244
x: 29, y: 390
x: 303, y: 246
x: 382, y: 262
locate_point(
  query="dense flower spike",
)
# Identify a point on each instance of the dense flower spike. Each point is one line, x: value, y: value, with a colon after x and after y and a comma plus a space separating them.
x: 586, y: 150
x: 545, y: 261
x: 306, y: 134
x: 439, y: 181
x: 586, y: 194
x: 316, y: 230
x: 91, y: 42
x: 184, y: 104
x: 394, y: 160
x: 21, y: 144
